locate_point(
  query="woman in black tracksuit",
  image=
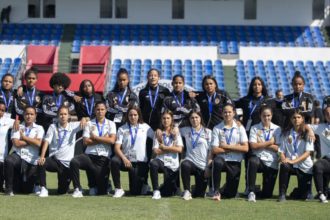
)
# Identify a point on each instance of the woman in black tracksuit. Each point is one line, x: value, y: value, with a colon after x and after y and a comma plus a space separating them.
x: 180, y: 102
x: 151, y: 99
x: 120, y: 98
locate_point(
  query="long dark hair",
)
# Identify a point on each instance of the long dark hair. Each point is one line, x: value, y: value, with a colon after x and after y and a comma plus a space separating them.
x: 168, y: 112
x: 81, y: 87
x: 120, y: 72
x: 199, y: 114
x: 264, y: 89
x: 211, y: 78
x: 138, y: 110
x: 286, y: 131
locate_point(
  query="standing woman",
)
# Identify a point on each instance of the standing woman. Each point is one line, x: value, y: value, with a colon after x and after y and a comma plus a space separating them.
x: 60, y: 138
x: 22, y: 163
x: 167, y: 146
x: 198, y: 156
x: 252, y: 102
x: 84, y: 105
x: 151, y: 99
x: 179, y: 102
x: 120, y: 98
x: 98, y: 135
x: 264, y: 141
x: 5, y: 125
x: 295, y: 152
x: 298, y: 100
x: 29, y: 95
x: 59, y: 82
x: 130, y: 149
x: 211, y: 101
x: 229, y: 143
x: 7, y: 95
x: 321, y: 169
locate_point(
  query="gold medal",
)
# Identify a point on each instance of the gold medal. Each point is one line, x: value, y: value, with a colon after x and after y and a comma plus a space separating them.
x: 290, y: 139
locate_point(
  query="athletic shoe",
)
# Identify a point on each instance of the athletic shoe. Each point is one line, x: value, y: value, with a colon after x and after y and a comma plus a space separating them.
x: 309, y: 196
x: 77, y: 193
x: 118, y: 193
x: 282, y: 198
x: 210, y: 193
x: 93, y: 191
x: 36, y: 189
x: 43, y: 192
x: 9, y: 193
x: 186, y: 195
x: 216, y: 196
x: 156, y: 195
x: 145, y: 189
x: 323, y: 198
x: 252, y: 197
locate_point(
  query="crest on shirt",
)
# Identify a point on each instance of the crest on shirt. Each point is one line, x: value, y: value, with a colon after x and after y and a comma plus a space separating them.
x: 38, y: 98
x: 327, y: 133
x: 260, y: 133
x: 290, y: 139
x: 216, y: 101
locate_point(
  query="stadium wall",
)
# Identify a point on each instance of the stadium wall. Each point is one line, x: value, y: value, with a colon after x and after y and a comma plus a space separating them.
x: 12, y: 51
x: 160, y: 52
x: 229, y: 12
x: 284, y: 53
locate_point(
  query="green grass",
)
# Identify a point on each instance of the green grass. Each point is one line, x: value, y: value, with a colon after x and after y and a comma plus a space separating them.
x: 143, y: 207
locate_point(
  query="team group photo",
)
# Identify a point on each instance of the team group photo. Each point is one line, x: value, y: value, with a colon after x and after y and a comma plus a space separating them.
x: 167, y: 109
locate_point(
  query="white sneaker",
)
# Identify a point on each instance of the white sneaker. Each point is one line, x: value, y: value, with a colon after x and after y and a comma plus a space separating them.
x: 77, y: 193
x: 323, y: 198
x: 93, y: 191
x: 145, y: 189
x: 10, y: 193
x: 186, y: 195
x: 43, y: 192
x: 252, y: 197
x: 36, y: 189
x: 156, y: 195
x: 118, y: 193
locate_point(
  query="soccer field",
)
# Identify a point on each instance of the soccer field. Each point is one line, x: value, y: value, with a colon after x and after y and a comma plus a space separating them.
x: 143, y: 207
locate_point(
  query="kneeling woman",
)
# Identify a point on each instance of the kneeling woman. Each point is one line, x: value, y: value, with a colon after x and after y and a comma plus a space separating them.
x: 198, y: 142
x: 22, y: 164
x: 167, y: 146
x: 295, y: 157
x: 60, y: 138
x: 130, y: 149
x: 98, y: 135
x: 229, y: 143
x: 264, y: 141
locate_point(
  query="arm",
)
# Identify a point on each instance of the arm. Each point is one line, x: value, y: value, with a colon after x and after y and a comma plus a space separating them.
x: 43, y: 153
x: 94, y: 139
x: 120, y: 154
x: 19, y: 143
x: 242, y: 147
x: 301, y: 158
x: 171, y: 149
x: 31, y: 141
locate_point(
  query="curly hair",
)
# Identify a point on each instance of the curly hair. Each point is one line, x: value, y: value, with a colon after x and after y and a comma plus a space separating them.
x: 60, y: 79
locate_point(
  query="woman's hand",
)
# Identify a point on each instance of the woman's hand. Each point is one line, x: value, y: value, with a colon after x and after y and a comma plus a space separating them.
x: 127, y: 163
x: 41, y: 161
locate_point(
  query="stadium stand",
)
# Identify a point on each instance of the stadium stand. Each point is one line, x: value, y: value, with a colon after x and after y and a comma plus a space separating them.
x: 227, y: 38
x: 278, y: 75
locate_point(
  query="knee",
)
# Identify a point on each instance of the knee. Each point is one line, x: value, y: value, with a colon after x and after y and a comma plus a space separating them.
x: 253, y: 162
x: 74, y: 163
x: 115, y: 162
x: 185, y: 166
x: 285, y: 167
x: 318, y: 168
x: 8, y: 161
x: 218, y: 162
x: 153, y: 165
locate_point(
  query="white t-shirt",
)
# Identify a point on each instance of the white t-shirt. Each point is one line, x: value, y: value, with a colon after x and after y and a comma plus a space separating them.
x: 219, y: 135
x: 268, y: 157
x: 62, y: 141
x: 197, y: 149
x: 170, y: 160
x: 137, y: 152
x: 5, y: 124
x: 287, y: 147
x: 323, y: 130
x: 99, y: 149
x: 28, y: 153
